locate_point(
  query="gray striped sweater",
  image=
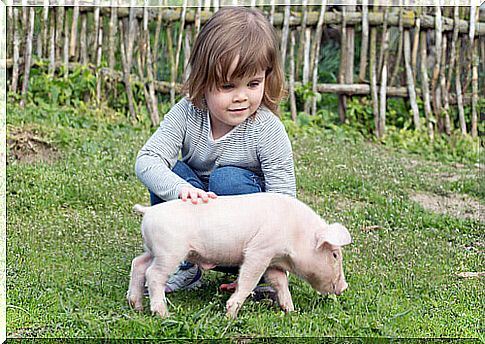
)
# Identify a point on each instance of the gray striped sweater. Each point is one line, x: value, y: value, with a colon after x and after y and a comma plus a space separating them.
x: 259, y: 144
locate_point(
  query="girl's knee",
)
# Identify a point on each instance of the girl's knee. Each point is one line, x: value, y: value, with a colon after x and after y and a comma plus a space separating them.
x: 230, y: 180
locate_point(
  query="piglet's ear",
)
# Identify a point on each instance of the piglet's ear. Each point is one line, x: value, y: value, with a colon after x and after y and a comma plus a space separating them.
x: 334, y: 234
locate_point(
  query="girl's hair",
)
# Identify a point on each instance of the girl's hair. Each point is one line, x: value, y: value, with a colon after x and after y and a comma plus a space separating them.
x: 235, y: 32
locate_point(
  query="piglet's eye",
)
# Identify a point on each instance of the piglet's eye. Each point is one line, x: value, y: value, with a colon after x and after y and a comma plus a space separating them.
x: 335, y: 255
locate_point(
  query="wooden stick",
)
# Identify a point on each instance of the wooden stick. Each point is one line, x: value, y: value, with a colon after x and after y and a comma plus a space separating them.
x: 459, y: 95
x: 42, y: 39
x: 365, y: 41
x: 293, y: 109
x: 59, y: 27
x: 415, y: 46
x: 469, y: 74
x: 383, y: 84
x: 65, y: 49
x: 99, y: 54
x: 446, y: 104
x: 197, y: 19
x: 9, y: 28
x: 75, y: 15
x: 272, y: 12
x: 454, y: 40
x: 474, y: 129
x: 171, y: 55
x: 131, y: 35
x: 409, y: 79
x: 180, y: 39
x: 373, y: 77
x: 284, y: 34
x: 83, y: 52
x: 113, y: 30
x: 52, y: 43
x: 154, y: 115
x: 16, y: 48
x: 316, y: 54
x: 97, y: 25
x: 302, y: 41
x: 157, y: 41
x: 397, y: 63
x: 187, y: 45
x: 28, y: 56
x: 126, y: 72
x: 425, y: 85
x: 383, y: 44
x: 436, y: 91
x: 349, y: 65
x: 342, y: 103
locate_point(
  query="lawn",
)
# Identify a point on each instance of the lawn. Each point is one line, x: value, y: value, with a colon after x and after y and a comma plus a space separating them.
x: 71, y: 236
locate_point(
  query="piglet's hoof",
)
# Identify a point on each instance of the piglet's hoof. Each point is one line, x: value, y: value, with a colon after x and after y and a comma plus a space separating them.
x: 162, y: 312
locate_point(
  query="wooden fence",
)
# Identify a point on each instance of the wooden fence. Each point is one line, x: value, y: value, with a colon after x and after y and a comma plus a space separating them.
x: 431, y: 52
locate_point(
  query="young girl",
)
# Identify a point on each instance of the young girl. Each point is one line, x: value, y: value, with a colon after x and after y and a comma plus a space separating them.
x: 226, y: 129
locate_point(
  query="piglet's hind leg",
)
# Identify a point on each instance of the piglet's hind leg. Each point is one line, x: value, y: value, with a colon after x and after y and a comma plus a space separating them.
x: 279, y: 280
x: 139, y: 266
x: 157, y: 276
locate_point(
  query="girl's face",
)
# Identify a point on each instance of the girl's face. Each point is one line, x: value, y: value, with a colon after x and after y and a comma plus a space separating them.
x: 233, y: 102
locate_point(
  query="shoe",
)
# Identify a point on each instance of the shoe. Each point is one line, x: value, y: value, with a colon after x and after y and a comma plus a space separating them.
x: 189, y: 279
x: 261, y: 292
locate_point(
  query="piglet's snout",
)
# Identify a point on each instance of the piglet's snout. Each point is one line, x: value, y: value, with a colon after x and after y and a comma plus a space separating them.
x: 340, y: 287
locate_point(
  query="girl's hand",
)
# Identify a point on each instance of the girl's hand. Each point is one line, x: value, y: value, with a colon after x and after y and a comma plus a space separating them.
x: 194, y: 194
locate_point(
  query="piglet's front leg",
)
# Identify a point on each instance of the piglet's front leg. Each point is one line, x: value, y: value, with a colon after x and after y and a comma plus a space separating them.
x: 279, y: 280
x: 250, y: 273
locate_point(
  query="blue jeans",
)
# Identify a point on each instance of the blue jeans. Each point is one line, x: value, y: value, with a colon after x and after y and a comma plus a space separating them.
x: 224, y: 181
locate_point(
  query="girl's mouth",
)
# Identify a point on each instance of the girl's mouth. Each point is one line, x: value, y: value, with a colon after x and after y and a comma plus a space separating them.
x: 238, y: 109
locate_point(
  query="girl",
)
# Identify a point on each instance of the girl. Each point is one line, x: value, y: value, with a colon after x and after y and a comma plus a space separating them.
x: 226, y: 129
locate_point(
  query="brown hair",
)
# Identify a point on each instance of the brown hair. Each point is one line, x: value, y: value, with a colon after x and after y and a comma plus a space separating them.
x: 235, y: 32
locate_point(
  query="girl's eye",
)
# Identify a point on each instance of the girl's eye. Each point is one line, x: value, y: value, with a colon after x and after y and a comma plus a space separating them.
x: 226, y: 86
x: 254, y: 84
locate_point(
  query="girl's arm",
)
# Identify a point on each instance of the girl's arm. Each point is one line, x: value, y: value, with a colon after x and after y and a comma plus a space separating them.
x: 159, y: 155
x: 276, y: 158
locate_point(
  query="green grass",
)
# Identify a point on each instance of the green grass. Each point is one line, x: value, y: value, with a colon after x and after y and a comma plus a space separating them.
x: 71, y: 236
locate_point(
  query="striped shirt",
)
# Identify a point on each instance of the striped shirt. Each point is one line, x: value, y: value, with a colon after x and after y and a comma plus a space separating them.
x: 259, y: 144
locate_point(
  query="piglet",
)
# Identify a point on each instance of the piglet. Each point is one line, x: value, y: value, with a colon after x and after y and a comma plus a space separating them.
x: 263, y: 233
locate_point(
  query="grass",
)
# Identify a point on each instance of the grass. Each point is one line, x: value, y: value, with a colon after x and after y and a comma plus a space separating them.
x: 71, y: 236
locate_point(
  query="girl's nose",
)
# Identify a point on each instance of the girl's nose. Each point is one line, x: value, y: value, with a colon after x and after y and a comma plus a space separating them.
x: 240, y: 97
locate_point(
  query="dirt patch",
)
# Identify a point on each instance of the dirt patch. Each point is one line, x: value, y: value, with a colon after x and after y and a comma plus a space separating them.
x: 460, y: 206
x: 27, y: 147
